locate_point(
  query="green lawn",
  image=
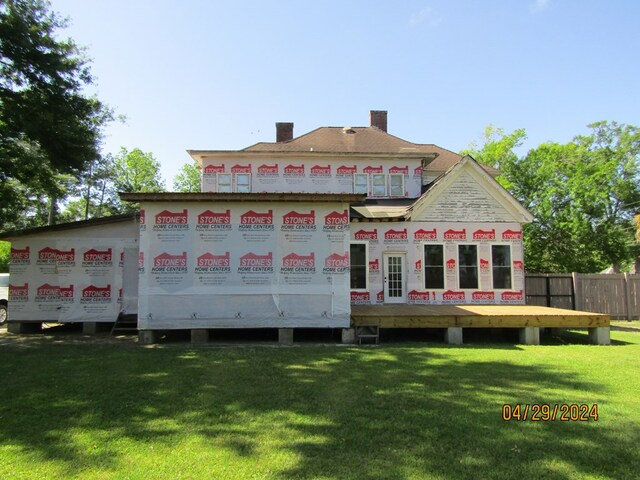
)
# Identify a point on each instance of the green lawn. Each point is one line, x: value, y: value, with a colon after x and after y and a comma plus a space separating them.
x: 395, y: 411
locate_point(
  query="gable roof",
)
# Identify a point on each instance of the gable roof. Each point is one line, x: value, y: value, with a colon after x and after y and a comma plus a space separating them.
x: 492, y: 187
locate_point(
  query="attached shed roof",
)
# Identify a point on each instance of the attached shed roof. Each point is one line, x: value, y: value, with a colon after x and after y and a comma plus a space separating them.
x: 128, y: 217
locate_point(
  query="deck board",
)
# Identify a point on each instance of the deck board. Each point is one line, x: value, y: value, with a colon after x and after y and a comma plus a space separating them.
x: 474, y: 316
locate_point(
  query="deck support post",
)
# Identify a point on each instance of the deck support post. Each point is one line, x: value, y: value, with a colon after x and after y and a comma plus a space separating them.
x: 24, y: 327
x: 199, y: 335
x: 285, y: 336
x: 530, y: 335
x: 89, y: 328
x: 148, y: 337
x: 600, y: 335
x: 348, y: 335
x: 453, y: 335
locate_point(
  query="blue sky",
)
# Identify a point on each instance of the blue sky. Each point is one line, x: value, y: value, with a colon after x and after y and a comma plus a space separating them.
x: 198, y: 74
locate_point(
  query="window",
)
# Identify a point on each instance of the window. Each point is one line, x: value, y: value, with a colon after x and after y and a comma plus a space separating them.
x: 396, y: 185
x: 433, y: 266
x: 224, y: 183
x: 468, y: 266
x: 501, y: 265
x: 359, y: 266
x: 361, y: 183
x: 236, y: 182
x: 379, y: 185
x: 243, y: 182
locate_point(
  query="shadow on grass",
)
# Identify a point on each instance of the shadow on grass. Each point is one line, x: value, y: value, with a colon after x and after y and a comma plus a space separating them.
x: 396, y: 412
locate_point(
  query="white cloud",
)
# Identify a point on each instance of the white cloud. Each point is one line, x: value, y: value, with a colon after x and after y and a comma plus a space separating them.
x: 425, y: 16
x: 539, y: 5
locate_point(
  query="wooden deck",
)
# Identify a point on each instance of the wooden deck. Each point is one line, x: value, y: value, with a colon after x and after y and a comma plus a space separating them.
x: 474, y: 316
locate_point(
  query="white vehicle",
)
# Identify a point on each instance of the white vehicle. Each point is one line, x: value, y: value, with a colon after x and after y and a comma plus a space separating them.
x: 4, y: 296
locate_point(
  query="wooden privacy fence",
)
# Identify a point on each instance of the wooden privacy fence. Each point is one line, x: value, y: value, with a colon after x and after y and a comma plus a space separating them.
x: 616, y: 294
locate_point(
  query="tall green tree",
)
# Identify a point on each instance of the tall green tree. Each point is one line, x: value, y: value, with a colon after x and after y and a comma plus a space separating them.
x: 188, y: 178
x: 583, y: 196
x: 48, y: 125
x: 136, y: 171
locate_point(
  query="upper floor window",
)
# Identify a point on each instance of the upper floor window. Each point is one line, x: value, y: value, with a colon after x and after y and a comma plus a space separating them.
x: 379, y: 184
x: 233, y: 182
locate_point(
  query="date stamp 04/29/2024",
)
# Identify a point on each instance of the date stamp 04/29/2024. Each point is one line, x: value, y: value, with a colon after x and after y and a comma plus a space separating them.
x: 546, y: 412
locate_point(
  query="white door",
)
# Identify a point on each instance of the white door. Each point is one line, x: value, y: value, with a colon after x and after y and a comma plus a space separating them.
x: 394, y: 282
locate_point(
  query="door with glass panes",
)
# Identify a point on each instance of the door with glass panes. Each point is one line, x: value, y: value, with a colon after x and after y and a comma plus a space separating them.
x: 395, y: 290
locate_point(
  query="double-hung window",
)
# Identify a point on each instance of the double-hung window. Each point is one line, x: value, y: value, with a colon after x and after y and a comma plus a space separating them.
x: 359, y: 258
x: 396, y: 185
x: 501, y: 266
x: 468, y: 266
x: 361, y: 183
x: 378, y: 185
x: 433, y: 266
x: 233, y: 182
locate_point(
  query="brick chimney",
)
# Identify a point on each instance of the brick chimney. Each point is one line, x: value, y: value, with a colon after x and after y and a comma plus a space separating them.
x: 379, y: 119
x: 284, y: 132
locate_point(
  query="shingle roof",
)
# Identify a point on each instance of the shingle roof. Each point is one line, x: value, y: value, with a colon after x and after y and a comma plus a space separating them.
x: 362, y: 140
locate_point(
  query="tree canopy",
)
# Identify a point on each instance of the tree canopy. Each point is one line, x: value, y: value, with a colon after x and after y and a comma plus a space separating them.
x: 583, y: 195
x: 188, y: 178
x: 48, y: 125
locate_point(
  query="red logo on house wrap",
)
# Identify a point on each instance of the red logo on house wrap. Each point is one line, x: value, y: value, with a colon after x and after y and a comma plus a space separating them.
x: 93, y: 292
x: 213, y: 169
x: 241, y: 169
x: 337, y: 218
x: 418, y: 265
x: 396, y: 234
x: 485, y: 234
x: 416, y: 296
x: 94, y: 256
x: 142, y: 217
x: 141, y: 260
x: 21, y: 256
x: 266, y: 170
x: 518, y: 265
x: 374, y: 265
x: 294, y: 171
x: 47, y: 255
x: 172, y: 218
x: 455, y: 234
x: 425, y: 234
x: 380, y: 296
x: 253, y: 260
x: 47, y: 293
x: 66, y: 292
x: 66, y: 256
x: 214, y: 218
x: 295, y: 260
x: 366, y: 234
x: 254, y: 218
x: 320, y: 171
x: 295, y: 218
x: 337, y: 261
x: 18, y: 293
x: 211, y: 260
x: 346, y: 171
x: 512, y: 296
x: 512, y: 235
x: 417, y: 172
x: 168, y: 260
x: 483, y: 296
x: 484, y: 264
x: 371, y: 169
x: 400, y: 170
x: 451, y: 264
x: 360, y: 297
x: 451, y: 295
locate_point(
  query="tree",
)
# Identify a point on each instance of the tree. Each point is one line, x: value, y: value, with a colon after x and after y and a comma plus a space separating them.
x: 136, y: 171
x: 48, y: 126
x: 582, y: 194
x: 188, y: 178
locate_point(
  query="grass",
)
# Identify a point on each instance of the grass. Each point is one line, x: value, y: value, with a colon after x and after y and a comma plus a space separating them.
x: 400, y: 411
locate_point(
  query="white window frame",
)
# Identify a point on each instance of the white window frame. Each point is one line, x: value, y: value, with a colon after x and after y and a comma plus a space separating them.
x: 501, y: 244
x: 383, y: 184
x: 237, y: 184
x: 401, y: 194
x: 355, y: 183
x: 459, y: 266
x: 366, y: 264
x: 233, y: 182
x: 424, y: 267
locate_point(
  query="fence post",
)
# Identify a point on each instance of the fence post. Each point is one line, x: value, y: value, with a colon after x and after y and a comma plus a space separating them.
x: 548, y: 287
x: 577, y: 296
x: 627, y: 294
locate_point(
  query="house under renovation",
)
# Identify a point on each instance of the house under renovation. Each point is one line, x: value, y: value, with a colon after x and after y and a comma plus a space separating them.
x: 297, y: 233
